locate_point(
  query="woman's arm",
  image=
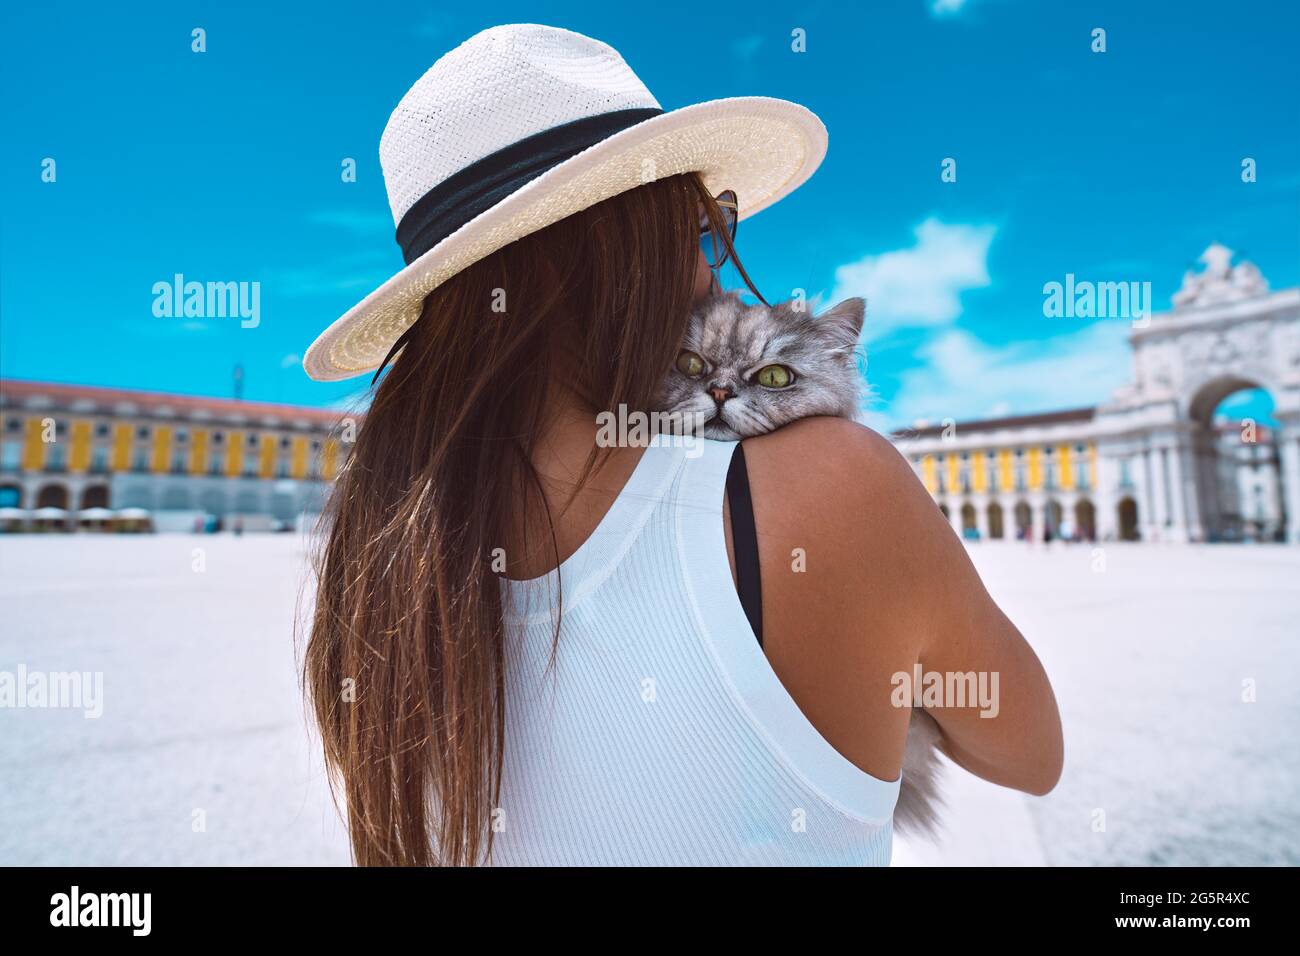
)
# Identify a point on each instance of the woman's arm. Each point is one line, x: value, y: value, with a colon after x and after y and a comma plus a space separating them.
x: 888, y: 585
x: 1019, y: 743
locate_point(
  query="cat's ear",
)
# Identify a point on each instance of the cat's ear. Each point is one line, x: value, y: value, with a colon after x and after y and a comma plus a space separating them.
x: 843, y: 321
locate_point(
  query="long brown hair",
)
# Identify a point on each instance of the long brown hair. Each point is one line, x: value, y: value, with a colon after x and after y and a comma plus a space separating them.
x: 404, y: 666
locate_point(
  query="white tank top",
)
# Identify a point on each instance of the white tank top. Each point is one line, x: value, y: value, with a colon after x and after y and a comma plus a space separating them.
x: 662, y: 736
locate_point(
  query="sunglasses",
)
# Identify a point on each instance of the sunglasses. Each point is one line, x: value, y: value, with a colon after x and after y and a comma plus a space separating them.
x: 715, y: 250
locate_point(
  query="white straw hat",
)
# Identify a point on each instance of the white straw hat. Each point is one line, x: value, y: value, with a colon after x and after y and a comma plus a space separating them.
x: 523, y: 125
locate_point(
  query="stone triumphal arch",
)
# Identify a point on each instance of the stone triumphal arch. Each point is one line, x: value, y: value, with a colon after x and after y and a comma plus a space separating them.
x: 1226, y: 332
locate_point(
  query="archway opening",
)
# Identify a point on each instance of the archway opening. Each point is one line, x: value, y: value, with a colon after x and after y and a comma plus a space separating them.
x: 969, y: 525
x: 52, y: 496
x: 1052, y: 516
x: 213, y: 501
x: 176, y: 498
x: 1236, y: 481
x: 96, y: 496
x: 137, y: 496
x: 1128, y: 520
x: 995, y: 521
x: 1085, y: 520
x: 1024, y: 520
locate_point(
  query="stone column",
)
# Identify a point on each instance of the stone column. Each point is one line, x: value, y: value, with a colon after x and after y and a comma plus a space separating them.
x: 1207, y: 492
x: 31, y: 482
x: 1155, y: 474
x: 1180, y: 525
x: 1069, y: 500
x: 76, y: 484
x: 1186, y: 467
x: 1289, y: 440
x: 1008, y: 518
x: 1175, y: 523
x: 1106, y: 495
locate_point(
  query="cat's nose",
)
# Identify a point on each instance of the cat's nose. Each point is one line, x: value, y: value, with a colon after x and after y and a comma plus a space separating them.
x: 720, y: 395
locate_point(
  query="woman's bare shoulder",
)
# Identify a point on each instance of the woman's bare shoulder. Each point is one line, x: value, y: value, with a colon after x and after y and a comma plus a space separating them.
x: 844, y: 528
x: 829, y: 442
x: 886, y: 584
x: 843, y: 479
x: 845, y: 494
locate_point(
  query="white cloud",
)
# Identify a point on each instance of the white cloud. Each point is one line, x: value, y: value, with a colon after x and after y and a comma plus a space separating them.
x: 920, y: 285
x: 961, y: 377
x: 947, y: 8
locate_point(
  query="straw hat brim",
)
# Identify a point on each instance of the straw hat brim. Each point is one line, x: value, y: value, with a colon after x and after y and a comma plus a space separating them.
x: 762, y: 148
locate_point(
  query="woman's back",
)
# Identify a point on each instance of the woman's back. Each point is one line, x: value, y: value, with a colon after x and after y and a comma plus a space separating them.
x: 660, y: 734
x: 549, y: 283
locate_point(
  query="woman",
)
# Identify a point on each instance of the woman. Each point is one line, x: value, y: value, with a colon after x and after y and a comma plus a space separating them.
x: 530, y: 649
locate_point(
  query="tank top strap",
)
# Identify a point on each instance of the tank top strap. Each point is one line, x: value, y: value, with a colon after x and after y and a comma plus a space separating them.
x: 721, y: 619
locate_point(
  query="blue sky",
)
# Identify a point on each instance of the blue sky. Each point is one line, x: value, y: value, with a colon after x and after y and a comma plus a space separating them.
x: 224, y: 166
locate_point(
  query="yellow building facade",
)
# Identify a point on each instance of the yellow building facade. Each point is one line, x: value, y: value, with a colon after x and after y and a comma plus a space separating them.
x: 78, y: 448
x: 1011, y: 477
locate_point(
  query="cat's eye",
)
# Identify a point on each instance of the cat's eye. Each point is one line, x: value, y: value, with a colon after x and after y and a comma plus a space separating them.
x: 690, y: 365
x: 774, y: 376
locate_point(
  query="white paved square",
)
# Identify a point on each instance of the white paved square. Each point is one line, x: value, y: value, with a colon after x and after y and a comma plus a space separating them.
x: 202, y: 753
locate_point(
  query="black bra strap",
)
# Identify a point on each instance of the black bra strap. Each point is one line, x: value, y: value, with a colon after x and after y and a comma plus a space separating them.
x: 744, y: 540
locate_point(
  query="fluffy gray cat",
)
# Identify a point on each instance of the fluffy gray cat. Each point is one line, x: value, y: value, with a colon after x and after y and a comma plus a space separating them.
x: 749, y: 369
